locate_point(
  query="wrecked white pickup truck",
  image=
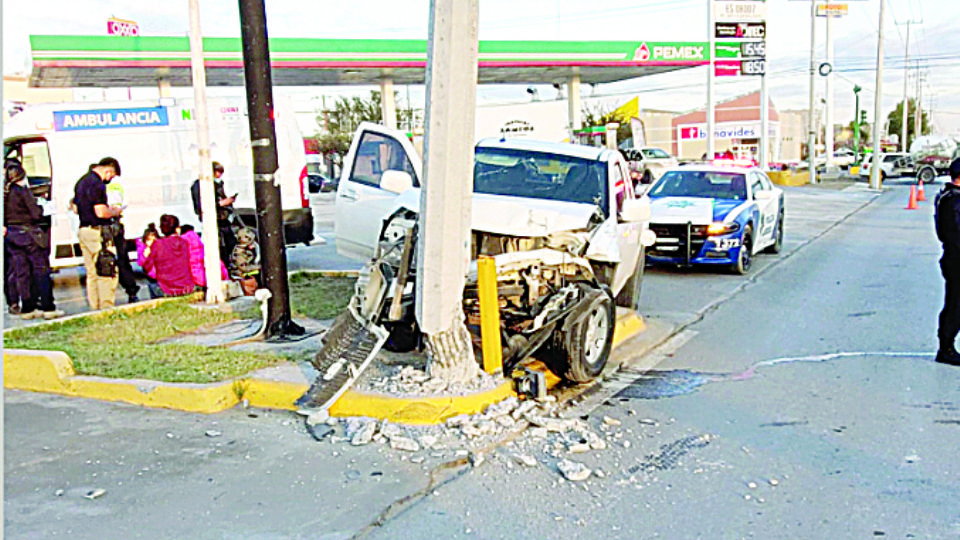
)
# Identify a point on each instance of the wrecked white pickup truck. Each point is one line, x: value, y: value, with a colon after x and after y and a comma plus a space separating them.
x: 561, y: 221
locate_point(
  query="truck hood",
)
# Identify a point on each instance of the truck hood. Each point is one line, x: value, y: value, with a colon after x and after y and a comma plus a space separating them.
x: 517, y: 216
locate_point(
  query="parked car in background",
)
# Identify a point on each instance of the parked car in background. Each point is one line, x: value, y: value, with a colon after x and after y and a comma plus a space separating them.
x: 319, y: 182
x: 844, y: 157
x: 648, y: 164
x: 892, y: 165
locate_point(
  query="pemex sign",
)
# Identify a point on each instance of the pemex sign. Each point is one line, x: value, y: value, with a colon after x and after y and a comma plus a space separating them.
x: 688, y: 52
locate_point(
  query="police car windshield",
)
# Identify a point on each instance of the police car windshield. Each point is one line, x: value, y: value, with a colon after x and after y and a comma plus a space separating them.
x: 539, y: 175
x: 706, y: 184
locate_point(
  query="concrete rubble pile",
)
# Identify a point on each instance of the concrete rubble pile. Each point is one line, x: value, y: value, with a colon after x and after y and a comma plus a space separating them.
x: 514, y: 433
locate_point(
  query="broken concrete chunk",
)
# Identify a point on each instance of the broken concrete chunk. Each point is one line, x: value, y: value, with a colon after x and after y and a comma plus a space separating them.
x: 598, y: 444
x: 505, y: 421
x: 525, y: 460
x: 459, y: 420
x: 523, y: 409
x: 579, y: 448
x: 95, y: 494
x: 364, y: 434
x: 611, y: 421
x: 551, y: 424
x: 502, y: 408
x: 573, y: 471
x: 471, y: 431
x: 390, y: 431
x: 212, y: 433
x: 538, y: 433
x: 476, y: 458
x: 427, y: 441
x: 405, y: 444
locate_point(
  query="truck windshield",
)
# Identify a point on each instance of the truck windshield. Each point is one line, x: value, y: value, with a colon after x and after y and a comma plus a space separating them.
x: 540, y: 175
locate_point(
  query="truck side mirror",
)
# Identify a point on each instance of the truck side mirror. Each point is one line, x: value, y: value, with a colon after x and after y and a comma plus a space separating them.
x: 635, y: 210
x: 396, y: 181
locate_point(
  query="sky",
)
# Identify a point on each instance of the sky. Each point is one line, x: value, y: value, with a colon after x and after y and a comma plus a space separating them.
x: 933, y: 44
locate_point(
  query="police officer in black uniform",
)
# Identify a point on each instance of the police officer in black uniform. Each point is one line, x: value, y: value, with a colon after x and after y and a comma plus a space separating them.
x: 96, y: 231
x: 947, y: 218
x: 225, y: 212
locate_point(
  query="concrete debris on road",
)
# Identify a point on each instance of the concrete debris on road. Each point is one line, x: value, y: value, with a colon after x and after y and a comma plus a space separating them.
x: 95, y: 494
x: 212, y: 433
x: 573, y: 471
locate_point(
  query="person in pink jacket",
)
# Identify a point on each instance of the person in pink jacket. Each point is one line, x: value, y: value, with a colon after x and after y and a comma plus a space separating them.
x: 196, y: 256
x: 169, y: 256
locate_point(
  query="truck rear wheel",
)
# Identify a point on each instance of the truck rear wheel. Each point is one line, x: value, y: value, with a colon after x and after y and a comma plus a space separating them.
x: 927, y: 174
x: 586, y: 338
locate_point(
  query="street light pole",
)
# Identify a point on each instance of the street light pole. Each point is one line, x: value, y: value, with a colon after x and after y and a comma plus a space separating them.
x: 811, y: 128
x: 856, y: 122
x: 208, y: 203
x: 878, y: 107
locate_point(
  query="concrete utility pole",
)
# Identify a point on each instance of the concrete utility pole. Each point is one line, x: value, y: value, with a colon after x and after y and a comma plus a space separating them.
x: 263, y: 140
x: 711, y: 50
x: 208, y: 201
x: 443, y: 250
x: 905, y: 110
x: 877, y: 107
x: 811, y: 126
x: 918, y: 113
x: 828, y: 129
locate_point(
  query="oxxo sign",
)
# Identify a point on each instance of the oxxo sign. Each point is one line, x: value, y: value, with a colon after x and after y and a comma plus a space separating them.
x: 120, y: 27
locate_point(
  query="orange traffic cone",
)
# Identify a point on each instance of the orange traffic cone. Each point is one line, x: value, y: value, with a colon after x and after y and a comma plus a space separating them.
x: 921, y: 196
x: 912, y: 203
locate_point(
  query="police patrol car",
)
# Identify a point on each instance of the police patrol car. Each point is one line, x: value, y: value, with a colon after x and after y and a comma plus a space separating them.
x: 718, y: 214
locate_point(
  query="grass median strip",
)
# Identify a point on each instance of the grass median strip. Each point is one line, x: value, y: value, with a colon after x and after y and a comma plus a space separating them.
x: 125, y: 345
x: 133, y: 345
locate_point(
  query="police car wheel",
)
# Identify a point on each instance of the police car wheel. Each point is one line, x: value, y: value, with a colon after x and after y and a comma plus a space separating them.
x: 745, y: 257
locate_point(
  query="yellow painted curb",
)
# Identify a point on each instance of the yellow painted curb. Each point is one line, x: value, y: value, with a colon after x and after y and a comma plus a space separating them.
x: 422, y: 411
x: 629, y: 324
x: 52, y: 372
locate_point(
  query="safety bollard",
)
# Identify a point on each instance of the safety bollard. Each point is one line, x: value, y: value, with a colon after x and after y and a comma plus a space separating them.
x: 489, y: 314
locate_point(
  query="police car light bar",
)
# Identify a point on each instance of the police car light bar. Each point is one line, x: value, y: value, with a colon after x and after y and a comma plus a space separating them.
x: 738, y: 163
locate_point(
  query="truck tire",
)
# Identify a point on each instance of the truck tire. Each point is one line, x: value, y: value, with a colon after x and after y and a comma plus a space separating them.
x: 927, y: 174
x: 586, y: 338
x: 629, y: 296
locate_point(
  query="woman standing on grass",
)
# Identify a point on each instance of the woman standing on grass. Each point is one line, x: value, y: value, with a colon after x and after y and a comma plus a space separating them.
x: 169, y: 257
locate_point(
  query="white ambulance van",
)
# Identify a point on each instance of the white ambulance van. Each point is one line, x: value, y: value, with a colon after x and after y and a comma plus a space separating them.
x: 156, y: 145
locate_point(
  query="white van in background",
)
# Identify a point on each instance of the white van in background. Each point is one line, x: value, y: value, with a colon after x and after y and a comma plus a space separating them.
x: 156, y: 145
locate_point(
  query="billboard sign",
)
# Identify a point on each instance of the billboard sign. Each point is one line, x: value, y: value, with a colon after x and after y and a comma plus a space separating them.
x: 831, y: 10
x: 120, y: 27
x: 730, y: 130
x: 739, y: 11
x: 740, y: 30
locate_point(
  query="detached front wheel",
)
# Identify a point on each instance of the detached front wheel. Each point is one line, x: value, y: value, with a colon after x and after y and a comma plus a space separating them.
x: 587, y: 338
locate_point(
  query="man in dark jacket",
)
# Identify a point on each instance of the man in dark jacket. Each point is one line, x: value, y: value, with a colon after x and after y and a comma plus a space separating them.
x: 224, y: 212
x: 947, y: 219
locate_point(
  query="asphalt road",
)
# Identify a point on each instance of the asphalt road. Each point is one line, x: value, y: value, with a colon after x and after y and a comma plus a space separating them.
x: 800, y: 401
